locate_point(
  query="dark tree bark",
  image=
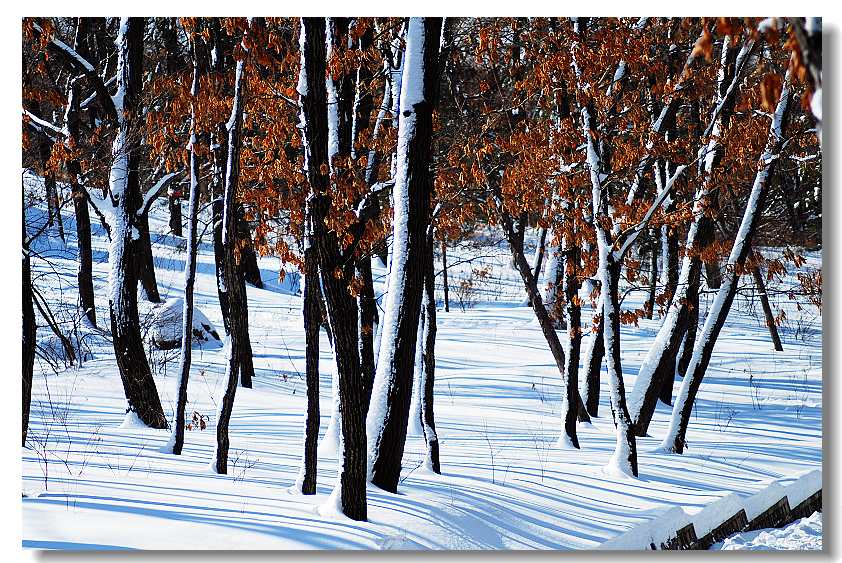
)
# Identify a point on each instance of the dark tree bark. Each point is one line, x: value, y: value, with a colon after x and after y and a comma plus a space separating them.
x: 368, y: 320
x: 760, y: 286
x: 396, y: 366
x: 341, y: 306
x: 366, y: 303
x: 220, y: 140
x: 653, y: 277
x: 29, y: 328
x: 692, y: 324
x: 428, y: 418
x: 573, y: 317
x: 138, y: 384
x: 571, y: 397
x: 190, y: 262
x: 249, y: 270
x: 219, y: 143
x: 84, y: 275
x: 238, y: 313
x: 219, y: 137
x: 444, y: 275
x: 146, y: 262
x: 176, y: 219
x: 592, y: 362
x: 312, y: 321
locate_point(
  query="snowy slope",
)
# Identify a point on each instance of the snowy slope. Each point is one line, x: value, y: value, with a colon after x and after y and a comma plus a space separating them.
x: 88, y: 482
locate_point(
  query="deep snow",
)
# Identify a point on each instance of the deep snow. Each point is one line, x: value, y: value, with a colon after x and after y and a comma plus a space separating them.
x: 89, y: 482
x: 804, y: 534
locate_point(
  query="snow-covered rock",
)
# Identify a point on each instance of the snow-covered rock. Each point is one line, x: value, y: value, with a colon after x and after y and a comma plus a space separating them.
x: 165, y: 329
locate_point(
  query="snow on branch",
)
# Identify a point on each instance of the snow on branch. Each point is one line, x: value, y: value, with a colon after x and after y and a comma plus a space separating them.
x: 40, y: 125
x: 156, y: 190
x: 78, y: 63
x: 629, y: 236
x: 739, y: 66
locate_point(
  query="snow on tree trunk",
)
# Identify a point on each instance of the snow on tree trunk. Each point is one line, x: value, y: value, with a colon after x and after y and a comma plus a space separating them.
x: 624, y: 459
x: 389, y: 410
x: 592, y: 364
x: 414, y: 427
x: 329, y: 446
x: 657, y: 371
x: 554, y: 291
x: 675, y: 440
x: 124, y: 185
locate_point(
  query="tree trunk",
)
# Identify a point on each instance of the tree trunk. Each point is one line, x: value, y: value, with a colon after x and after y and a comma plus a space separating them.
x: 249, y: 270
x: 675, y: 441
x: 760, y: 286
x: 658, y: 368
x: 84, y: 275
x: 624, y: 458
x: 573, y: 318
x: 389, y: 411
x: 190, y: 262
x: 53, y: 207
x: 146, y: 262
x: 312, y: 321
x: 692, y: 324
x: 427, y: 383
x: 625, y: 454
x: 349, y: 494
x: 29, y: 336
x: 138, y: 384
x: 169, y: 33
x: 539, y: 255
x: 569, y: 414
x: 238, y: 312
x: 653, y: 278
x: 220, y: 141
x: 444, y: 276
x: 368, y: 321
x: 554, y: 300
x: 174, y: 205
x: 592, y: 362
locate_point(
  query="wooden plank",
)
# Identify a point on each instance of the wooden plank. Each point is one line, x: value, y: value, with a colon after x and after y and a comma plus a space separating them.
x: 808, y: 506
x: 684, y: 538
x: 773, y: 517
x: 729, y: 527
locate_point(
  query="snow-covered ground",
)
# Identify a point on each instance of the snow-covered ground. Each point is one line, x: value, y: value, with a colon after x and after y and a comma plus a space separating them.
x: 804, y: 534
x: 91, y: 482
